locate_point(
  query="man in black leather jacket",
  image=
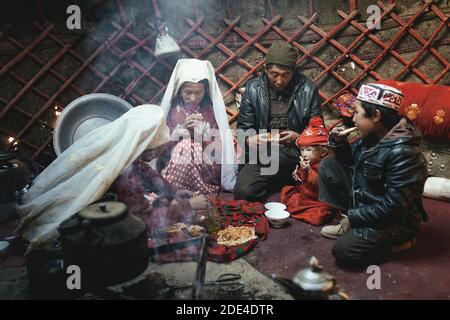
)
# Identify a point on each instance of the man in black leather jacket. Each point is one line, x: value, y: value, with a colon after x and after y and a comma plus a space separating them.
x: 281, y: 100
x: 382, y: 197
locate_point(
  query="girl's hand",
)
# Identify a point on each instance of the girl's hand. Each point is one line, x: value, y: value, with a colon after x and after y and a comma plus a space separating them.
x: 191, y: 120
x: 295, y: 174
x: 304, y: 164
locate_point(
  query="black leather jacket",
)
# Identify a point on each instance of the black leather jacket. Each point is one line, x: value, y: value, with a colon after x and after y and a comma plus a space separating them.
x: 387, y: 185
x: 254, y: 110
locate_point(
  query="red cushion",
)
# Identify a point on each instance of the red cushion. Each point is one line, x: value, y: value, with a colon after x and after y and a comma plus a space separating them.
x: 428, y: 106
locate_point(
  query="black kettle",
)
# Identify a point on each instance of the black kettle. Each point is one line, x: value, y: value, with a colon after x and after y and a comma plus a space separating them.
x: 106, y: 242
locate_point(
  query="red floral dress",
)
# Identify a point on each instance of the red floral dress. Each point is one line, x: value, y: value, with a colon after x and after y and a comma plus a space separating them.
x: 189, y: 166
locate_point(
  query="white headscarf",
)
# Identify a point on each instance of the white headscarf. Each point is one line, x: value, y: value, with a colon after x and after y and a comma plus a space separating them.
x: 194, y: 70
x: 85, y: 171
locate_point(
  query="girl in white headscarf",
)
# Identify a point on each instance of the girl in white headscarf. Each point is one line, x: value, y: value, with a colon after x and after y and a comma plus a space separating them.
x: 204, y: 160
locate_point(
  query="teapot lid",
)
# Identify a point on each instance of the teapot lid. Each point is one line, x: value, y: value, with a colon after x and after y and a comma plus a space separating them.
x: 314, y: 278
x: 104, y: 211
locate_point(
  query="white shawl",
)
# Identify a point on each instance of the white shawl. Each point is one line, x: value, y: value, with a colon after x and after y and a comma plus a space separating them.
x: 86, y: 170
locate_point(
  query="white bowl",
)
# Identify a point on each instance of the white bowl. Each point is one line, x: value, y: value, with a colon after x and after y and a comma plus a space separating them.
x: 275, y: 206
x: 277, y: 218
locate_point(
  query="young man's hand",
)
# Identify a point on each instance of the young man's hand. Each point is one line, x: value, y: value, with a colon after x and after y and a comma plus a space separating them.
x: 345, y: 223
x: 340, y: 133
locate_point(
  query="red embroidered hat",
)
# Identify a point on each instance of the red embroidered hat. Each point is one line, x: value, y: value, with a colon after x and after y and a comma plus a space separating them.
x: 316, y: 134
x: 344, y: 103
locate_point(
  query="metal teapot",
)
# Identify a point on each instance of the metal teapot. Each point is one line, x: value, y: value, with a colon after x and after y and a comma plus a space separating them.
x: 313, y: 283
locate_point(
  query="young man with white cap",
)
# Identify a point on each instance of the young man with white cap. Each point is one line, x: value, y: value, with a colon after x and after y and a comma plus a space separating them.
x: 377, y: 181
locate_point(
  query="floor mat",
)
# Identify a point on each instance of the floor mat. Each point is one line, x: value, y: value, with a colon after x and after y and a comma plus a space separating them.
x: 421, y: 273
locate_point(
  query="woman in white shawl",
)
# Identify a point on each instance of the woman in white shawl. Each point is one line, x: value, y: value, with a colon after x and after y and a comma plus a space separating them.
x: 204, y: 160
x: 84, y: 172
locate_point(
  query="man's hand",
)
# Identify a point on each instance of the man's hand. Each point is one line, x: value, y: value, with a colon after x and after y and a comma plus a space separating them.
x: 287, y: 137
x: 257, y: 140
x: 345, y: 223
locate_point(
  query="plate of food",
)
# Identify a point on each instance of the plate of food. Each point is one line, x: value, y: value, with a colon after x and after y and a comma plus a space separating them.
x: 233, y: 236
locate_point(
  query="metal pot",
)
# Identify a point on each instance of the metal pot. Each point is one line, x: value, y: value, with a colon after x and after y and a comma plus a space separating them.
x: 16, y: 174
x: 8, y: 174
x: 106, y: 242
x: 85, y: 114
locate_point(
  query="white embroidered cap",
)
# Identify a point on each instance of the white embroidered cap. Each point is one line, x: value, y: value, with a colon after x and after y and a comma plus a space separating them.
x: 382, y: 95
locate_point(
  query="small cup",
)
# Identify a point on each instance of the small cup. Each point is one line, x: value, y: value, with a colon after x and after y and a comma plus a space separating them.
x: 275, y: 206
x: 277, y: 218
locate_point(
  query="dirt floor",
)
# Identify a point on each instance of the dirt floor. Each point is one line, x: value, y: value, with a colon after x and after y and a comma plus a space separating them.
x: 167, y: 281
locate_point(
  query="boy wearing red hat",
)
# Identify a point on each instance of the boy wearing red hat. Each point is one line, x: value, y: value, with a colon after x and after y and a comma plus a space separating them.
x: 302, y: 200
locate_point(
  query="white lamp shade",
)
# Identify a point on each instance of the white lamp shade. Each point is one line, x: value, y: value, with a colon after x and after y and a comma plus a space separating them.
x: 166, y: 45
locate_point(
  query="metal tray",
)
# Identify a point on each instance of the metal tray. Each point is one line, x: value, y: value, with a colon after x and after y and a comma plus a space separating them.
x: 85, y: 114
